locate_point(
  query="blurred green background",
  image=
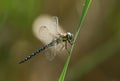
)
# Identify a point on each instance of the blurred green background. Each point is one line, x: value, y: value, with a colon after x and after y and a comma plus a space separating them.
x: 96, y: 54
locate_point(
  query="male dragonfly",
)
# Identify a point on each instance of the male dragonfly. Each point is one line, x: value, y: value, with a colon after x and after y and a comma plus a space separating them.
x: 61, y: 38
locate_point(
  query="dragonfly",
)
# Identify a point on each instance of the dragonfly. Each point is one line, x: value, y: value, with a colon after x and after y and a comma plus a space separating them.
x: 61, y: 38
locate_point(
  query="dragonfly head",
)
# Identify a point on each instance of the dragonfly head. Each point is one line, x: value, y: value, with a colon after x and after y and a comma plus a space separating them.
x: 69, y: 36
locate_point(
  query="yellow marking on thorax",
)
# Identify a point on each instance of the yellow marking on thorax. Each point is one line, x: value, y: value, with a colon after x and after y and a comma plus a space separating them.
x: 63, y: 35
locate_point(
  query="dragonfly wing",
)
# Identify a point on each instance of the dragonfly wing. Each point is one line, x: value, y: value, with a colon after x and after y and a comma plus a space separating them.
x: 51, y: 53
x: 58, y: 49
x: 45, y: 35
x: 52, y: 28
x: 57, y: 28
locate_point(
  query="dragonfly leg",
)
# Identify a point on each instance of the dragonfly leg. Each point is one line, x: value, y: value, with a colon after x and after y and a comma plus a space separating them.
x: 70, y: 42
x: 66, y: 47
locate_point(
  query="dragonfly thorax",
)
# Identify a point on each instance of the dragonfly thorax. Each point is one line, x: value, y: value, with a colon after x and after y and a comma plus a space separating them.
x: 66, y: 36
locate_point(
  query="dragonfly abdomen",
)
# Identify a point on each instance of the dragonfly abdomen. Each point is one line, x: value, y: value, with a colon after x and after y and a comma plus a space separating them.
x: 38, y: 51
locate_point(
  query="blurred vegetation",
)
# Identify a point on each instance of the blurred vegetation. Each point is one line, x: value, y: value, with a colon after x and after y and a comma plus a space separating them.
x: 96, y: 55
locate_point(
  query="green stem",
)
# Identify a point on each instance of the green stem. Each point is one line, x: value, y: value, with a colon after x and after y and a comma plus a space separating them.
x: 84, y: 11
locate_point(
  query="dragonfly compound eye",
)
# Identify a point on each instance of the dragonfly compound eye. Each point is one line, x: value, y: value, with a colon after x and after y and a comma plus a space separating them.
x: 69, y: 35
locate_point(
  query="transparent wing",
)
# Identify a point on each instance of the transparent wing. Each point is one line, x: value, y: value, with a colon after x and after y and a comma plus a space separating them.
x: 51, y: 52
x: 56, y: 24
x: 46, y: 28
x: 45, y: 35
x: 49, y: 33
